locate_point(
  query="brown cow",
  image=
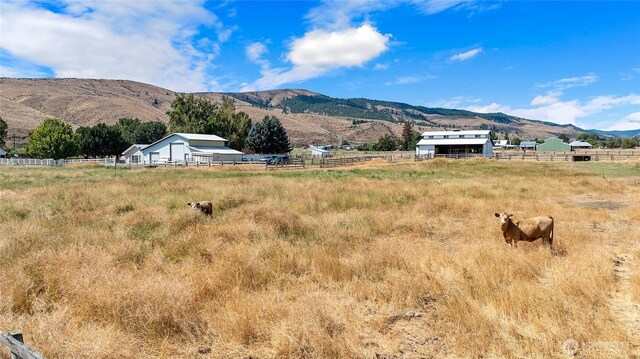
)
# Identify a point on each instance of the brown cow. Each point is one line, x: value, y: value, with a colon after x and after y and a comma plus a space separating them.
x: 204, y: 206
x: 528, y: 229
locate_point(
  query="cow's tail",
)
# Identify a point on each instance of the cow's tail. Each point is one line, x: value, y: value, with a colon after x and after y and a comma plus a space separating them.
x: 552, y: 231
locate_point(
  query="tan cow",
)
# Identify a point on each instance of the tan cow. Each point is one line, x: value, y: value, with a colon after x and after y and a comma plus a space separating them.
x: 204, y: 206
x: 528, y: 229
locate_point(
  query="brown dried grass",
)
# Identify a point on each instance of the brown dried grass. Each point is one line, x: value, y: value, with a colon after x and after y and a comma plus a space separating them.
x: 315, y: 263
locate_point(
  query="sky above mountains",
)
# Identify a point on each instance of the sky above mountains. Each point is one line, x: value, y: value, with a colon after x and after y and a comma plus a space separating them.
x: 572, y: 62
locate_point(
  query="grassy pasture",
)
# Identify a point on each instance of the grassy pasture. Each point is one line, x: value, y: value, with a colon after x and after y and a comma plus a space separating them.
x: 321, y: 263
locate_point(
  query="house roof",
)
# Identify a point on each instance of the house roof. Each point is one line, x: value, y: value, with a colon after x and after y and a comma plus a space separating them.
x: 213, y: 150
x: 580, y: 144
x: 314, y: 148
x: 198, y: 136
x: 453, y: 141
x: 134, y: 148
x: 2, y: 152
x: 440, y: 133
x: 528, y: 144
x: 190, y: 136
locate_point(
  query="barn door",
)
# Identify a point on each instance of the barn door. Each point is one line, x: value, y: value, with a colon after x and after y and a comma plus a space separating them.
x: 177, y: 152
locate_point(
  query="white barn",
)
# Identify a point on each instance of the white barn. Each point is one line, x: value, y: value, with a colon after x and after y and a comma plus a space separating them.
x: 188, y: 147
x: 319, y: 152
x: 455, y: 143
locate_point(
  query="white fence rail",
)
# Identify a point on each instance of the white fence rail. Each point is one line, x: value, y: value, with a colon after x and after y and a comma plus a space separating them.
x: 52, y: 163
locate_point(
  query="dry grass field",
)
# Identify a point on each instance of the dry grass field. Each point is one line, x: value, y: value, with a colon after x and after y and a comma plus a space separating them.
x: 372, y: 261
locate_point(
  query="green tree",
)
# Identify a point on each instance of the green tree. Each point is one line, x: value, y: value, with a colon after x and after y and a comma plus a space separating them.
x: 516, y: 141
x: 100, y: 141
x: 564, y: 138
x: 268, y: 136
x: 407, y: 135
x: 493, y: 135
x: 387, y: 143
x: 3, y: 132
x: 506, y: 136
x: 135, y: 131
x: 52, y: 139
x: 191, y: 114
x: 199, y: 115
x: 627, y: 142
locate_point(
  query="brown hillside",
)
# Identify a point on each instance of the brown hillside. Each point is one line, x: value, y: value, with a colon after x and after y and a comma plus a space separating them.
x: 24, y: 103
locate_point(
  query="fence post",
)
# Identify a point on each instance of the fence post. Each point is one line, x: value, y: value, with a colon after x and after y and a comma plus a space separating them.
x: 17, y: 336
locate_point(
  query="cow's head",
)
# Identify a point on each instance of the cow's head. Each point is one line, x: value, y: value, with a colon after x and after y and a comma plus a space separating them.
x: 504, y: 218
x: 194, y: 205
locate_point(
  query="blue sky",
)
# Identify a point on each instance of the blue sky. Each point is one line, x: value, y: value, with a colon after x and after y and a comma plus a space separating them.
x: 567, y: 62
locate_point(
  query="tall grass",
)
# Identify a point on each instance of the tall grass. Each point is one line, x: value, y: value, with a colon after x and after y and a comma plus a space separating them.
x: 316, y: 263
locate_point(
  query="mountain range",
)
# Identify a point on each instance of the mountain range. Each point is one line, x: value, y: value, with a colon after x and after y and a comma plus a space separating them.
x: 309, y: 117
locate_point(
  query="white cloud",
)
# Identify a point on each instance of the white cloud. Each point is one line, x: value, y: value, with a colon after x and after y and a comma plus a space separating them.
x: 320, y: 51
x: 569, y: 82
x: 345, y: 48
x: 466, y: 55
x: 255, y: 51
x: 142, y: 41
x: 552, y: 109
x: 381, y: 67
x: 629, y: 122
x: 408, y: 80
x: 435, y: 6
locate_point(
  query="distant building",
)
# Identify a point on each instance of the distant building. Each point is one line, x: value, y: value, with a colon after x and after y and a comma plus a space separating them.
x: 503, y: 144
x: 580, y: 145
x: 3, y: 153
x: 528, y: 145
x: 554, y: 144
x: 455, y: 143
x: 319, y: 152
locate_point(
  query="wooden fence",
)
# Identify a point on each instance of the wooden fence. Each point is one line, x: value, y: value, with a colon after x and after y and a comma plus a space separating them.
x: 342, y: 161
x: 53, y: 163
x: 15, y: 343
x: 292, y: 163
x: 567, y: 156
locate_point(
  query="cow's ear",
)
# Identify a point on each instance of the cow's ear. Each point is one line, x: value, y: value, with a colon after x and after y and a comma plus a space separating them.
x: 497, y: 215
x: 188, y: 204
x: 511, y: 215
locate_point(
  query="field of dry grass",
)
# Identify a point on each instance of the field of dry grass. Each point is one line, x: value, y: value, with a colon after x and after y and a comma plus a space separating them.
x: 376, y: 260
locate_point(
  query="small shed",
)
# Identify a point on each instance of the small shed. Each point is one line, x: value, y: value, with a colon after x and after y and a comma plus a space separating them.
x: 575, y: 145
x: 134, y: 154
x: 528, y: 145
x: 3, y: 153
x: 554, y: 144
x: 319, y: 152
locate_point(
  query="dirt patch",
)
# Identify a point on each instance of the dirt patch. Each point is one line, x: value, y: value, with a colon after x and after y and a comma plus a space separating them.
x: 612, y: 205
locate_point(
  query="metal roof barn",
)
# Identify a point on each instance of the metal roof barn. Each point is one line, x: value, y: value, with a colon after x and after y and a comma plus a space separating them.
x: 455, y: 144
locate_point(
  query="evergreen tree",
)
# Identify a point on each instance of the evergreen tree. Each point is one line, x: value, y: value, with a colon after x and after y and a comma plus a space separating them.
x: 268, y: 136
x: 52, y: 139
x: 3, y: 132
x: 407, y: 135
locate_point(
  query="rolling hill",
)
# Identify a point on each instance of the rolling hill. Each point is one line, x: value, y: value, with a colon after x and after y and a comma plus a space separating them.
x: 309, y: 117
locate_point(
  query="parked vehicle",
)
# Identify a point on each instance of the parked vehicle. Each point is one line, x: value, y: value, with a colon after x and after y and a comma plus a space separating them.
x: 268, y: 159
x: 280, y: 160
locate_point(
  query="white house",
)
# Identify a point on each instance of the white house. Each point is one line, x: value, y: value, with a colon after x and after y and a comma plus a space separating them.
x: 455, y: 143
x: 503, y: 144
x: 187, y: 147
x: 134, y: 154
x: 319, y: 152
